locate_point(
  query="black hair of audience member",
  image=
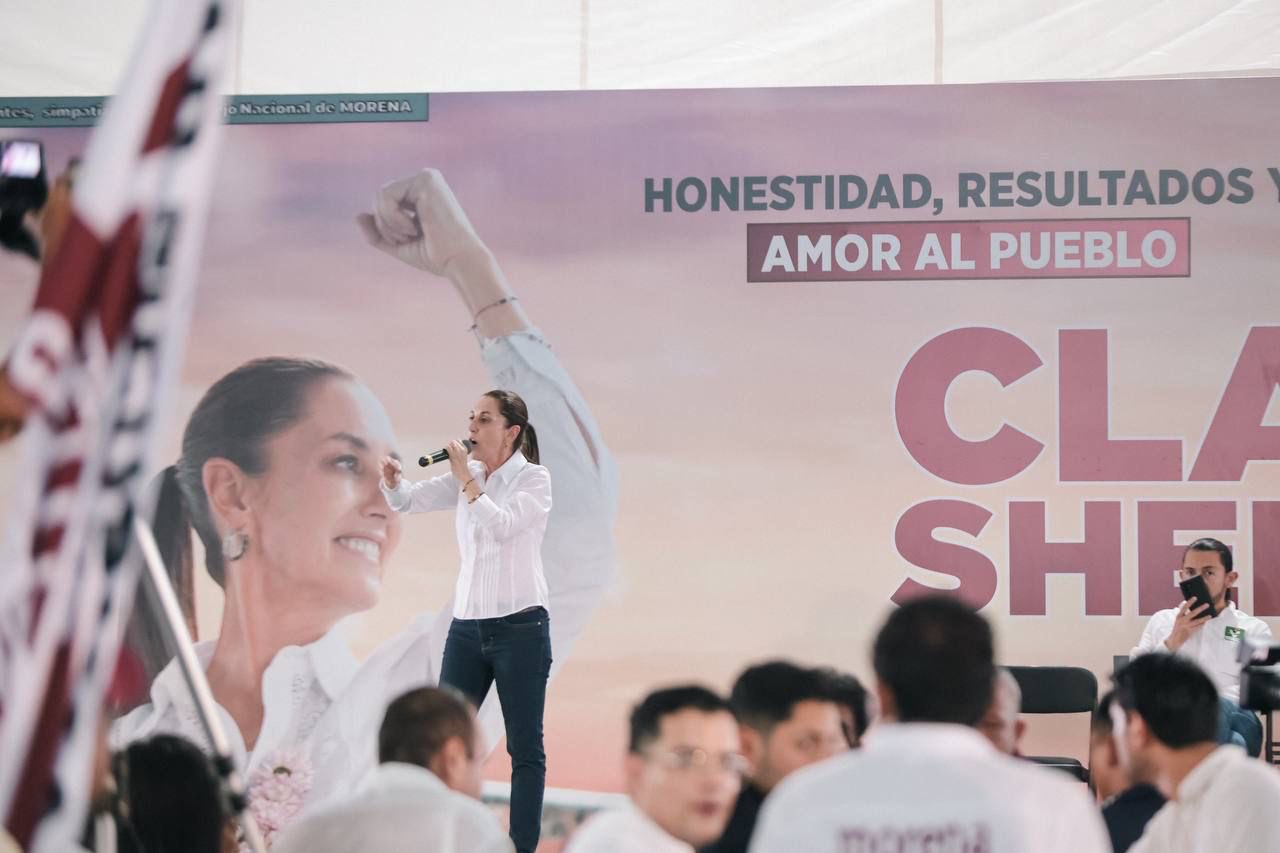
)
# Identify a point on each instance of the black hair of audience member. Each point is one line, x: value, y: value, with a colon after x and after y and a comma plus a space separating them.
x: 936, y: 655
x: 169, y: 799
x: 766, y: 694
x: 847, y: 691
x: 646, y: 717
x: 1174, y: 697
x: 1208, y: 543
x: 417, y: 724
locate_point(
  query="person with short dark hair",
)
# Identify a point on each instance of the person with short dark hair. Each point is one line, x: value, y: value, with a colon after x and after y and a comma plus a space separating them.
x: 1128, y: 801
x: 1212, y: 642
x: 168, y: 798
x: 854, y: 704
x: 435, y: 728
x: 925, y: 778
x: 683, y: 770
x: 787, y: 718
x: 1165, y: 714
x: 423, y: 796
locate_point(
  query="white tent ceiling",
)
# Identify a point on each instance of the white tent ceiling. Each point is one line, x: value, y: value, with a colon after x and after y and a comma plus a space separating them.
x: 75, y: 47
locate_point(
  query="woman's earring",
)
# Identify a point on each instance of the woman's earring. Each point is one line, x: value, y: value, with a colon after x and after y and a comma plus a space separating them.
x: 234, y: 544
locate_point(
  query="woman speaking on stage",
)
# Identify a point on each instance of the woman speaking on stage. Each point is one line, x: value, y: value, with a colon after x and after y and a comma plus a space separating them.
x: 501, y: 633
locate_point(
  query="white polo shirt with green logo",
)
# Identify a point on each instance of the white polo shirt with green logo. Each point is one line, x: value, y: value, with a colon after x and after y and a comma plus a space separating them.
x: 1215, y: 647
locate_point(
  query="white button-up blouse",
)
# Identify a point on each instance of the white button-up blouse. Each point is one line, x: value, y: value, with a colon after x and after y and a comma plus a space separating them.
x: 499, y: 534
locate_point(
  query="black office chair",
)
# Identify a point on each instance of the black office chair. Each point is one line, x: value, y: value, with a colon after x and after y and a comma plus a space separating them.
x: 1058, y: 690
x: 1269, y: 745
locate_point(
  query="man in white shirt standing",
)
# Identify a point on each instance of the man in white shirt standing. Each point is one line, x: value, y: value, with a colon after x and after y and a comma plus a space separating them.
x: 683, y: 771
x: 1164, y: 714
x: 422, y: 797
x: 1214, y: 643
x: 925, y: 778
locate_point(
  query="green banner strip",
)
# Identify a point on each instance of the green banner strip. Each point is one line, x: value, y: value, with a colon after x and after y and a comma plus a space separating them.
x: 241, y: 109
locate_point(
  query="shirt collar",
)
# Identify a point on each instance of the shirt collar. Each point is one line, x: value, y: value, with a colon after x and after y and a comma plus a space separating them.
x: 508, y: 470
x: 650, y: 823
x: 928, y: 738
x: 332, y: 662
x: 399, y: 775
x: 1228, y: 610
x: 328, y: 658
x: 1196, y: 783
x: 169, y: 687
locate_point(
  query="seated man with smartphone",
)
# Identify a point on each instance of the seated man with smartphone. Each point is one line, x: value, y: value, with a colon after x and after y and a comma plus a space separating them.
x: 1208, y: 628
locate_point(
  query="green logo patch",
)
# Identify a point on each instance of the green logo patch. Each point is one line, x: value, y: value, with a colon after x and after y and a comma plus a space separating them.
x: 1236, y: 634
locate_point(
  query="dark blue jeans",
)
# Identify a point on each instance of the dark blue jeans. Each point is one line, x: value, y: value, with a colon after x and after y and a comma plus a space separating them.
x: 515, y: 652
x: 1238, y: 726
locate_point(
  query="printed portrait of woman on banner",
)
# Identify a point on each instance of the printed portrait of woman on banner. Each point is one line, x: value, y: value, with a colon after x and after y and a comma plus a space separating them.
x: 278, y: 476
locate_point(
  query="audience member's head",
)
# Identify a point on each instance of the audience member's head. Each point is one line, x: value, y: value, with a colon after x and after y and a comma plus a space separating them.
x: 1109, y: 775
x: 435, y: 728
x: 1001, y: 723
x: 788, y: 718
x: 934, y: 663
x: 169, y: 799
x: 684, y: 768
x: 854, y: 704
x: 1211, y: 560
x: 1168, y: 705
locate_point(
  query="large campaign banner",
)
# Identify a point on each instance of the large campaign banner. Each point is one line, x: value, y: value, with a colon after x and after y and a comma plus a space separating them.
x: 799, y: 354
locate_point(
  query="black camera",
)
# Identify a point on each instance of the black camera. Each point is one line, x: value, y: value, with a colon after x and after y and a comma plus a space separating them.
x: 24, y: 187
x: 1259, y: 680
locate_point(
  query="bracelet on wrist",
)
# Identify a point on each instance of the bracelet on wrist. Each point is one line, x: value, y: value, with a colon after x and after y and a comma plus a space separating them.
x: 503, y: 301
x: 476, y: 498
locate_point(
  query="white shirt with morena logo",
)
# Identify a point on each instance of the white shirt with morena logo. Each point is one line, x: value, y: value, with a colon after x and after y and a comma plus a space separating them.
x: 1216, y: 646
x: 929, y: 786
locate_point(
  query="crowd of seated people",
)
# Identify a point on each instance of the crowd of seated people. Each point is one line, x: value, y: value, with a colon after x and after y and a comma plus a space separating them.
x: 797, y: 758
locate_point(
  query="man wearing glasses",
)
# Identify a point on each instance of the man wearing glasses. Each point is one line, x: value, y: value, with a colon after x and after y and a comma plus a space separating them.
x: 683, y: 771
x: 1213, y: 642
x: 788, y: 718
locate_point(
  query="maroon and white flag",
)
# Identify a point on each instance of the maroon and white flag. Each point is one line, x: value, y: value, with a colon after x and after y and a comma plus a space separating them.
x: 96, y: 358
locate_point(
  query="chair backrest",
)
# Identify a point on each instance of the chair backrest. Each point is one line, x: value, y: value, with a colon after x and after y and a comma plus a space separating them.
x: 1056, y: 689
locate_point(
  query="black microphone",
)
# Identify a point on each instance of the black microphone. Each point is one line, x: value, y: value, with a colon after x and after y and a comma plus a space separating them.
x: 441, y: 455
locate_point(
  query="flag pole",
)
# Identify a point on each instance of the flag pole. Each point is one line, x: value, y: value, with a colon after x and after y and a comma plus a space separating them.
x: 236, y: 799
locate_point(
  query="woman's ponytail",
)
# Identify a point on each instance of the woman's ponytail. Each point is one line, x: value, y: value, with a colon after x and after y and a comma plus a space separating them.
x: 529, y: 443
x: 148, y: 636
